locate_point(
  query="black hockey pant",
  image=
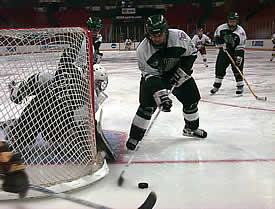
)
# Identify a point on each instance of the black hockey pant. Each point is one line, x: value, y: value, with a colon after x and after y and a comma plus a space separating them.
x: 223, y: 62
x: 188, y: 94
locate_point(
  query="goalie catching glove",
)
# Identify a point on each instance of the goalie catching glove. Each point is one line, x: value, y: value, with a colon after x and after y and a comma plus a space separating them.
x: 162, y: 100
x: 15, y: 180
x: 179, y: 77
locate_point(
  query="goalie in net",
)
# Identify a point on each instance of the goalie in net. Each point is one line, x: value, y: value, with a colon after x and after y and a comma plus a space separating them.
x: 57, y: 107
x: 54, y: 107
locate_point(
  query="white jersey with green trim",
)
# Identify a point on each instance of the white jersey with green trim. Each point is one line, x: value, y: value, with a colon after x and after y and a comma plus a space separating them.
x: 155, y: 61
x: 239, y: 34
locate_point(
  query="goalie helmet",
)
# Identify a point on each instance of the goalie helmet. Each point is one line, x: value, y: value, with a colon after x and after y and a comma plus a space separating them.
x: 100, y: 77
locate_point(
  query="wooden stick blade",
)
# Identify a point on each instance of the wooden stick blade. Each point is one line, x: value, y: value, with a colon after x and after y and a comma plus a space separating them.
x: 261, y: 98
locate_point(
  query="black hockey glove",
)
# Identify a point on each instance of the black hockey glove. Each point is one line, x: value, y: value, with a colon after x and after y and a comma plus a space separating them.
x: 238, y: 60
x: 239, y: 54
x: 218, y: 40
x: 15, y: 180
x: 179, y: 77
x: 162, y: 100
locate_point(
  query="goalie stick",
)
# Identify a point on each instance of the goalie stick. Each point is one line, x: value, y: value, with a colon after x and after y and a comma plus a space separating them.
x: 102, y: 141
x: 147, y: 204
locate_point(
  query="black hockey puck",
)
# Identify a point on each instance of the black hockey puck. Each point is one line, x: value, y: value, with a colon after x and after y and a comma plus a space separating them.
x: 142, y: 185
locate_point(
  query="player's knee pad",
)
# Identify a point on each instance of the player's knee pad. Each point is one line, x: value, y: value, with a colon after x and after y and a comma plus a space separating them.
x: 141, y: 121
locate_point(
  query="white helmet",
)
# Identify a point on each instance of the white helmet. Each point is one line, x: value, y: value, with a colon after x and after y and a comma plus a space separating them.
x: 100, y: 77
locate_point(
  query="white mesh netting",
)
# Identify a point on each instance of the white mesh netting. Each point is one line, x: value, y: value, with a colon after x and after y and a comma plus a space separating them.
x: 46, y: 102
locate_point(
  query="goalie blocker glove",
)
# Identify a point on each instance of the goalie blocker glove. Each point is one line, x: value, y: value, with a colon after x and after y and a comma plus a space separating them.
x: 15, y: 180
x: 162, y: 100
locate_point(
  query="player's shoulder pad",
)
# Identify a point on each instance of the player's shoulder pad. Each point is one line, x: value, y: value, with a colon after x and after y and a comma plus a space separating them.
x: 177, y: 34
x: 240, y: 29
x: 223, y: 26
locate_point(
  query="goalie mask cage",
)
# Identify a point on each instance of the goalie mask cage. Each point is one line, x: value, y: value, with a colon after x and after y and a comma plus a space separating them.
x: 51, y: 123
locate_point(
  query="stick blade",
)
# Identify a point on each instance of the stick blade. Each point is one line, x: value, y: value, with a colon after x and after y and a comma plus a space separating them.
x: 261, y: 98
x: 120, y: 179
x: 150, y: 201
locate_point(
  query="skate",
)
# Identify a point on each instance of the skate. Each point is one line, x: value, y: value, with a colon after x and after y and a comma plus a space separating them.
x: 239, y: 90
x: 214, y: 90
x: 131, y: 144
x: 194, y: 133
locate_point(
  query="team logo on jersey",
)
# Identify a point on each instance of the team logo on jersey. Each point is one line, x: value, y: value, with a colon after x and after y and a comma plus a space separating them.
x: 242, y: 33
x: 182, y: 36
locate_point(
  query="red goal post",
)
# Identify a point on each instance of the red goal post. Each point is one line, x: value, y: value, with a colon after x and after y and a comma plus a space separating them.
x: 55, y: 130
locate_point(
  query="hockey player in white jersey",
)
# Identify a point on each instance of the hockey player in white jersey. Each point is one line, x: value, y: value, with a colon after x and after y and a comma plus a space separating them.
x: 201, y: 40
x: 273, y: 50
x: 165, y: 58
x: 231, y: 37
x: 128, y: 43
x: 94, y: 24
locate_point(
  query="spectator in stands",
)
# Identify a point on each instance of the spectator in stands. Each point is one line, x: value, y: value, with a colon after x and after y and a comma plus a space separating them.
x: 230, y: 37
x: 94, y: 24
x: 273, y: 51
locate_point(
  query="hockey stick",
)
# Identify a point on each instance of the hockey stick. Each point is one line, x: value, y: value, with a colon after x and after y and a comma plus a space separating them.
x: 148, y: 203
x: 121, y: 178
x: 233, y: 62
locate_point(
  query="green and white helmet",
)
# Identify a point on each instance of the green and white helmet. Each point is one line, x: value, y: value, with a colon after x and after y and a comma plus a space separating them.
x: 233, y: 16
x: 94, y: 22
x: 156, y: 24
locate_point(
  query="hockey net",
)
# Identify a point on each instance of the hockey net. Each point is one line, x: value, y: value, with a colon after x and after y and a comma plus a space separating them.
x: 50, y: 120
x: 123, y: 46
